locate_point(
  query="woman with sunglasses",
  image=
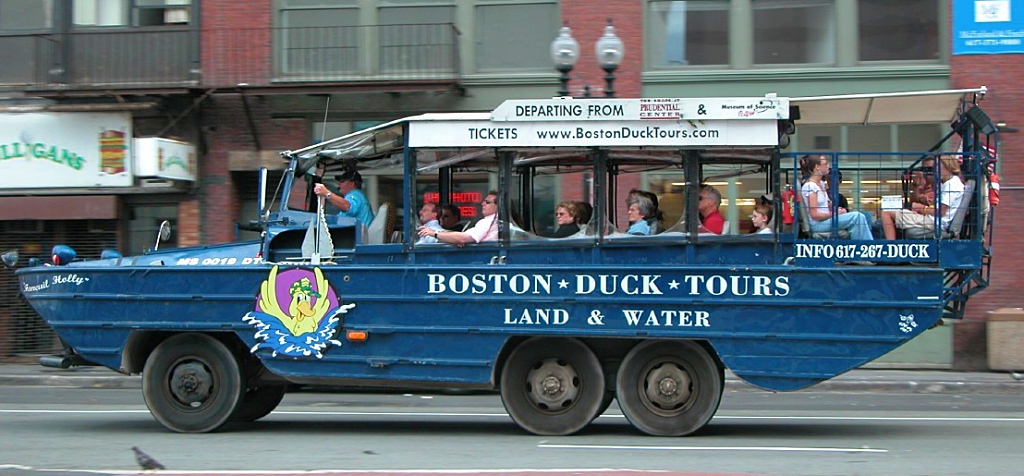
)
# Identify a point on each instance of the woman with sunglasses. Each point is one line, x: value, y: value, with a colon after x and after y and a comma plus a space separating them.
x: 567, y: 216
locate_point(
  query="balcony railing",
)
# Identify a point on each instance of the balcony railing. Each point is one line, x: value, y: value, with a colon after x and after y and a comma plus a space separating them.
x: 331, y: 54
x: 148, y: 58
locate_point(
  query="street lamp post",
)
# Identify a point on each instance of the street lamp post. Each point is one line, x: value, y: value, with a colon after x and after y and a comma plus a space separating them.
x: 609, y: 55
x: 564, y: 52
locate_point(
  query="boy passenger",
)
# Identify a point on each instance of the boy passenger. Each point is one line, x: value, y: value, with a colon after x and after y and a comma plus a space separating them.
x: 484, y: 230
x: 762, y: 218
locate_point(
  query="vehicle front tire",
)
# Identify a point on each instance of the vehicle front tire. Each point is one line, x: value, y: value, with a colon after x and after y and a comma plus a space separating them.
x: 669, y: 388
x: 552, y: 386
x: 192, y: 383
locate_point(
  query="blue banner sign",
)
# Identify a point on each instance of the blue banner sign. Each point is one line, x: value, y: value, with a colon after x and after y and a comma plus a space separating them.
x: 988, y: 27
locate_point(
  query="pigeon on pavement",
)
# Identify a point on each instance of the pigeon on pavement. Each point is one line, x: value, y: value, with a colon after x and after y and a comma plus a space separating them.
x: 146, y: 461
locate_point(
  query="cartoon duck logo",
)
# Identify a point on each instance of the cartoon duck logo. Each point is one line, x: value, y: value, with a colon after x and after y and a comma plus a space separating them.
x: 307, y: 324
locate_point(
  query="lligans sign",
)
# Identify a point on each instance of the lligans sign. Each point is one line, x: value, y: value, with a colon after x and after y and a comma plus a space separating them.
x: 61, y: 150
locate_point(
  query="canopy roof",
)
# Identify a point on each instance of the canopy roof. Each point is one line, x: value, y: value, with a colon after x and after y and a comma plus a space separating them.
x: 883, y: 108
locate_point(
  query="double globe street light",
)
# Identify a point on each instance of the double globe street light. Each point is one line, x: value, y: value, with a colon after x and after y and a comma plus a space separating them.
x: 565, y: 51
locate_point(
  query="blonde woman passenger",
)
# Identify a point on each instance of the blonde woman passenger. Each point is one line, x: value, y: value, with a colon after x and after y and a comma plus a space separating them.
x: 567, y: 217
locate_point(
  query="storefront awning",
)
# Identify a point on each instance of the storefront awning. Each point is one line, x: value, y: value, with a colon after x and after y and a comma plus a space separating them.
x: 913, y: 107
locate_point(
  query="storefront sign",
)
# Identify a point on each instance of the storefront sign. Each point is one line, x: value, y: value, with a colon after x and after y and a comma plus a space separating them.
x: 988, y: 27
x: 165, y: 158
x: 62, y: 150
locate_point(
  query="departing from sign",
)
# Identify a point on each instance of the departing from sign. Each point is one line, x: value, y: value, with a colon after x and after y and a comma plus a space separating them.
x: 663, y: 109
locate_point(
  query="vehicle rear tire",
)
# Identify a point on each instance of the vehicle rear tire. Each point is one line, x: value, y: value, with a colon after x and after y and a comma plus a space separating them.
x: 259, y: 402
x: 192, y: 383
x: 669, y: 388
x: 552, y: 386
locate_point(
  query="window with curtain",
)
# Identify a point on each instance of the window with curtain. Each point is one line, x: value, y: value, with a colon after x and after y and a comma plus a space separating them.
x: 688, y: 33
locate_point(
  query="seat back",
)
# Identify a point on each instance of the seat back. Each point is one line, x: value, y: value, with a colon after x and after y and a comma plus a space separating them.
x: 805, y: 226
x: 382, y: 226
x: 957, y: 223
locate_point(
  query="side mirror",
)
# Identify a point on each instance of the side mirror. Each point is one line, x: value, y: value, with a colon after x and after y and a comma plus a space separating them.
x: 163, y: 235
x: 10, y: 258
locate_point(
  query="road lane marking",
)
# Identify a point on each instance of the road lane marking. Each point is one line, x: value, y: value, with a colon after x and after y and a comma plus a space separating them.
x: 320, y: 413
x: 809, y: 449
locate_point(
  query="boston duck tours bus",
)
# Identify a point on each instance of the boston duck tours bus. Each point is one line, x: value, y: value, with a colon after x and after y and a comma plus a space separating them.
x: 645, y: 299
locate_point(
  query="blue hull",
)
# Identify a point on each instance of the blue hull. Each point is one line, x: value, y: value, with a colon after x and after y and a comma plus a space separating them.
x: 446, y: 324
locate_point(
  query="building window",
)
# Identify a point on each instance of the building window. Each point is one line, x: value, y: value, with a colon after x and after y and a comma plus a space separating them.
x: 318, y: 40
x: 794, y: 32
x: 688, y: 33
x: 419, y: 38
x: 898, y: 30
x: 516, y: 36
x: 26, y: 14
x: 89, y: 13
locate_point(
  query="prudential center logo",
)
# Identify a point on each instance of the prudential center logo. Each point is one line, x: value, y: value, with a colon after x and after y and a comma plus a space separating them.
x: 987, y: 11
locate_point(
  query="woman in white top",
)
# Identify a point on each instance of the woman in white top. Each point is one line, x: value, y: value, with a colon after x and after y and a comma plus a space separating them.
x: 923, y: 216
x: 819, y: 206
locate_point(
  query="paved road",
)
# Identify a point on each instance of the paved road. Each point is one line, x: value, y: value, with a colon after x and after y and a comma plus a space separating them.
x: 804, y: 433
x: 860, y: 380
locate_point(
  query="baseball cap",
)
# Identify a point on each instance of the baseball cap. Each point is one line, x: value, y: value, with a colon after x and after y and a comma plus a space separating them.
x: 349, y: 174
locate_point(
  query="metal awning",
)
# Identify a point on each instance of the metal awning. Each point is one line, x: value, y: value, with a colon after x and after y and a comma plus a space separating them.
x: 913, y: 107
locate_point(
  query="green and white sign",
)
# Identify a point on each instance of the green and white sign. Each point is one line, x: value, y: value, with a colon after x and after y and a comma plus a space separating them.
x: 65, y: 150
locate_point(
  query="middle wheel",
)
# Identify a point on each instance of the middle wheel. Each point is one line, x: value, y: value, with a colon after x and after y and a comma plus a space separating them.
x: 552, y: 386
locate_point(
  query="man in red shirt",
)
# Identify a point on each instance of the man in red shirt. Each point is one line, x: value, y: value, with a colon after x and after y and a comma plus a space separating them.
x: 710, y: 220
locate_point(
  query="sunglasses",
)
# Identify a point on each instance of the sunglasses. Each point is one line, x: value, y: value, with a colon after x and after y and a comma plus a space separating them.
x: 488, y: 202
x: 561, y: 214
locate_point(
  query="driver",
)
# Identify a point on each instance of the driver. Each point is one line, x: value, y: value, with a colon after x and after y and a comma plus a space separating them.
x: 350, y: 200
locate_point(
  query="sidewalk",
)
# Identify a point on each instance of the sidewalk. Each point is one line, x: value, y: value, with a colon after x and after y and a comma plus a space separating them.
x: 855, y: 381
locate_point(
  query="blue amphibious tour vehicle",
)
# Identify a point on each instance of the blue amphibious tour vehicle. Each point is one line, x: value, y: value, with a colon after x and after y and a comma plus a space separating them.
x: 560, y: 326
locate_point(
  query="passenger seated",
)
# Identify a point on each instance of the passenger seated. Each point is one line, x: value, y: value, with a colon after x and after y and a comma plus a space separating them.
x: 567, y: 216
x: 450, y: 217
x: 429, y: 218
x: 486, y: 229
x: 586, y: 211
x: 711, y: 220
x: 819, y: 207
x: 762, y: 218
x: 654, y: 216
x: 923, y: 216
x: 640, y: 212
x: 923, y: 182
